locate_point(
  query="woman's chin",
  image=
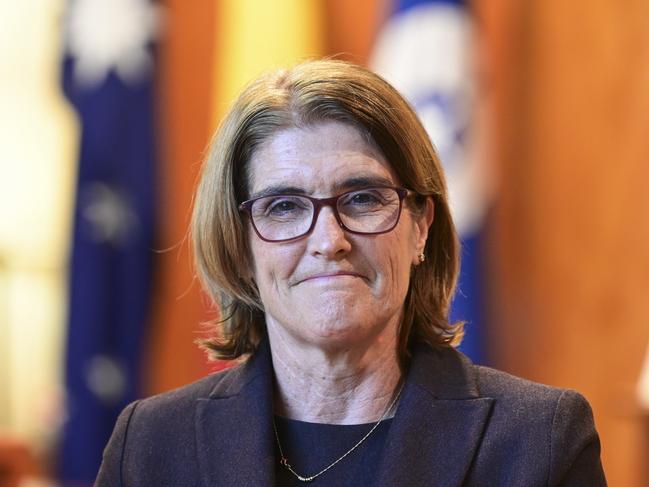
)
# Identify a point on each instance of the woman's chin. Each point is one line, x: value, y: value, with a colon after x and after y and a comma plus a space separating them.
x: 334, y: 324
x: 341, y: 335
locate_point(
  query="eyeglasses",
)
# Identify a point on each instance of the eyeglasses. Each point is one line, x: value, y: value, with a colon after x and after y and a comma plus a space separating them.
x: 368, y: 211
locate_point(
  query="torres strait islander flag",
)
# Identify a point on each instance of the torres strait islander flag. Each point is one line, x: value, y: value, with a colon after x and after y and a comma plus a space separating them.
x: 424, y: 51
x: 108, y: 79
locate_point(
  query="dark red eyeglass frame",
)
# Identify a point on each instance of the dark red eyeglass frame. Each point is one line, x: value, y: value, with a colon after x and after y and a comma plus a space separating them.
x: 318, y: 204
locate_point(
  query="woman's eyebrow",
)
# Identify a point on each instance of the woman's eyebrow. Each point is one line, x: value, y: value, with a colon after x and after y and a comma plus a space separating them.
x: 277, y: 189
x: 363, y: 182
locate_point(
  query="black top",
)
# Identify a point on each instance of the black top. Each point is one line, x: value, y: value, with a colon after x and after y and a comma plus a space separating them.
x: 310, y: 447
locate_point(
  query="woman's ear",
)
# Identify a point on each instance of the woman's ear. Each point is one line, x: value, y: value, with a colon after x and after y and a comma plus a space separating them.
x: 423, y: 221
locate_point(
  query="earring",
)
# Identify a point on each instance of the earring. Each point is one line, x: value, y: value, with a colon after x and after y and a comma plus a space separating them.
x: 422, y: 257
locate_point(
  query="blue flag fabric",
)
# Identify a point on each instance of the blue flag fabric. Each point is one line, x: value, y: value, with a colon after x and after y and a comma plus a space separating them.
x: 112, y: 90
x: 424, y: 51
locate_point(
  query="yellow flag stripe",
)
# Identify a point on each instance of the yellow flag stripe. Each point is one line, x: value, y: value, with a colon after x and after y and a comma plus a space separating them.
x: 253, y: 36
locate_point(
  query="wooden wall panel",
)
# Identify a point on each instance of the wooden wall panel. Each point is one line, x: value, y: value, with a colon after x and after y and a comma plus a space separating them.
x: 185, y: 117
x: 569, y: 243
x: 351, y: 27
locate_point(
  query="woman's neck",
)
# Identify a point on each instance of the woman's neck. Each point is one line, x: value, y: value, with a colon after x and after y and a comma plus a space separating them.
x: 346, y: 386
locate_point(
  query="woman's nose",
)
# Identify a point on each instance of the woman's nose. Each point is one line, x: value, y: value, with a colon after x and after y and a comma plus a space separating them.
x: 328, y: 238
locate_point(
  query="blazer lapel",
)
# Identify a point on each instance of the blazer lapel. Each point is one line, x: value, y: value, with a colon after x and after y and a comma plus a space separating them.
x: 432, y: 441
x: 234, y: 434
x: 438, y: 425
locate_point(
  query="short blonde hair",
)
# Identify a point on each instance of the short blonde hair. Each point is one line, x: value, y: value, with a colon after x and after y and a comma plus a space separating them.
x: 307, y: 94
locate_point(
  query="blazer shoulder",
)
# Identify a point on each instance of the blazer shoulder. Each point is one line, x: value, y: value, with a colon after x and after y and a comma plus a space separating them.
x: 177, y: 400
x: 501, y: 385
x: 542, y: 425
x: 522, y: 393
x: 456, y: 377
x: 531, y: 402
x: 154, y: 436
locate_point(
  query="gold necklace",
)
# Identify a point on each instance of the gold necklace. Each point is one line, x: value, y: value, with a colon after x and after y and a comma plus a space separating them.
x: 284, y: 461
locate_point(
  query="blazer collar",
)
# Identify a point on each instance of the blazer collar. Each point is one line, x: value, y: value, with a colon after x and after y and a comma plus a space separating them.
x: 438, y: 424
x: 234, y: 434
x: 433, y: 437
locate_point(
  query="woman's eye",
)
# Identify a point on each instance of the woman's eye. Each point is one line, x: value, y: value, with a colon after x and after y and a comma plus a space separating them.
x: 283, y: 206
x: 364, y: 198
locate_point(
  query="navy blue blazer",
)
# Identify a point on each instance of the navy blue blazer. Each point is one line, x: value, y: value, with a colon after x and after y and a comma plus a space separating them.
x: 457, y: 424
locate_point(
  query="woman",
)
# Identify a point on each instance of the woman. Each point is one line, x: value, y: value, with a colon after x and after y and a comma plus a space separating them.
x: 322, y: 227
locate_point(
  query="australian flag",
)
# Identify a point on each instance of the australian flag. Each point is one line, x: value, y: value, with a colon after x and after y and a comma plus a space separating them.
x: 108, y: 78
x: 424, y: 51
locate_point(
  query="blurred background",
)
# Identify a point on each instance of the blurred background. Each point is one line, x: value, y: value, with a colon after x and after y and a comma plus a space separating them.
x: 539, y: 109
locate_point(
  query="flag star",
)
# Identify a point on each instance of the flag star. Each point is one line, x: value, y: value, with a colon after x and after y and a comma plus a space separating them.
x: 106, y: 378
x: 108, y: 216
x: 111, y: 35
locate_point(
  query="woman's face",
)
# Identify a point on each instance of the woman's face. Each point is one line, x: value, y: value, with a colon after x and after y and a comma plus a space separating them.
x: 331, y: 288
